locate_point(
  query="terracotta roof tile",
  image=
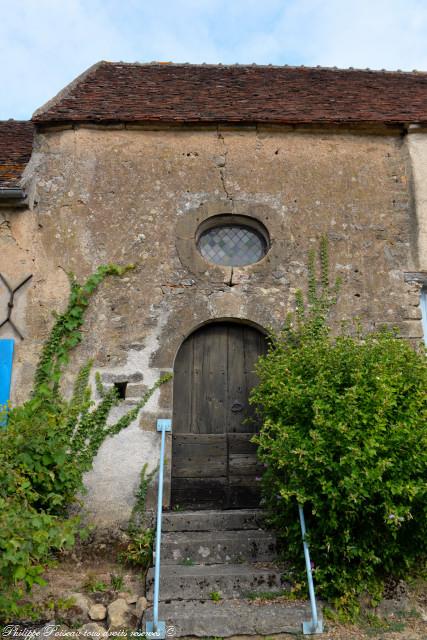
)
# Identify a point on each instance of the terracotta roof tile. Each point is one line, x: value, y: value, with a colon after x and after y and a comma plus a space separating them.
x: 180, y: 93
x: 16, y: 143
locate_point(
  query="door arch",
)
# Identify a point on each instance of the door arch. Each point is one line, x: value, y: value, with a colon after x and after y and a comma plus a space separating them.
x: 214, y: 463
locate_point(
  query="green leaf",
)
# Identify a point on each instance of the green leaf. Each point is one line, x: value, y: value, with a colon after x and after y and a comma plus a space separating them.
x: 20, y: 573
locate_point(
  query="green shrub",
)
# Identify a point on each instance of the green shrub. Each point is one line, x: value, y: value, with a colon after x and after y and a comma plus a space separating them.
x: 345, y: 434
x: 48, y: 444
x: 27, y: 538
x: 139, y: 550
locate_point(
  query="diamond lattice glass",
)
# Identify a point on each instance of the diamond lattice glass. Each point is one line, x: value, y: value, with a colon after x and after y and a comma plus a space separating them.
x: 232, y: 245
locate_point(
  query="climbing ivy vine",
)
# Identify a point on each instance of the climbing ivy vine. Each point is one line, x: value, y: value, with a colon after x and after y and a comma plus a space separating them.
x: 48, y: 445
x: 66, y: 334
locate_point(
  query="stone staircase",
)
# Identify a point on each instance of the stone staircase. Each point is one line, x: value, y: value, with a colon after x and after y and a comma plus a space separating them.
x: 213, y: 565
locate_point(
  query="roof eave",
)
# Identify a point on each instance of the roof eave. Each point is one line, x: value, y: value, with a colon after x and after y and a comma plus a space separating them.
x: 70, y: 123
x: 13, y: 197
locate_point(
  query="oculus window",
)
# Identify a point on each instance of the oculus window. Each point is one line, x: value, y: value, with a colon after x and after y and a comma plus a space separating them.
x: 232, y: 241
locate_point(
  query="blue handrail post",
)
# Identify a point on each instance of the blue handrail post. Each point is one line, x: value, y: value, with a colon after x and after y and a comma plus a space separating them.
x: 156, y: 628
x: 314, y: 625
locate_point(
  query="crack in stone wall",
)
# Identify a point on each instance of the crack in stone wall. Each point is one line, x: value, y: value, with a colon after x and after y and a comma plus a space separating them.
x: 223, y: 165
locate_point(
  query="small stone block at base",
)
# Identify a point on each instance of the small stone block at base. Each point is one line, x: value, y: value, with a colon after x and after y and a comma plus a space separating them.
x: 159, y: 634
x: 309, y: 629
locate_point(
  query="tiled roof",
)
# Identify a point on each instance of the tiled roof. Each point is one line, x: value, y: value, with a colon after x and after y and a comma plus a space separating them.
x: 183, y: 93
x: 16, y: 142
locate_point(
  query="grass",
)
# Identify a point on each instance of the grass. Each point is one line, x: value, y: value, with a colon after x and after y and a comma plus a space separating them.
x: 375, y: 626
x: 266, y: 595
x: 215, y: 596
x: 116, y: 582
x: 407, y: 615
x: 93, y: 585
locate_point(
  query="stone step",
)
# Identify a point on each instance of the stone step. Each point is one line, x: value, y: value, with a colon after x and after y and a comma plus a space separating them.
x: 230, y: 617
x: 209, y: 520
x: 230, y: 547
x: 228, y: 580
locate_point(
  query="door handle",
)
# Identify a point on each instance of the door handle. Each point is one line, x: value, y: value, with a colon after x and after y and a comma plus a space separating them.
x: 236, y: 407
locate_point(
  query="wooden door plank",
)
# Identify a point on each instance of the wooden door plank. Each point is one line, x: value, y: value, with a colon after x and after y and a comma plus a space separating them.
x: 199, y: 450
x: 209, y: 381
x: 243, y: 497
x: 200, y: 438
x: 237, y: 397
x: 215, y: 391
x: 199, y: 493
x: 241, y: 464
x: 244, y: 481
x: 199, y: 455
x: 182, y: 388
x: 199, y: 467
x: 197, y: 414
x: 254, y: 345
x: 241, y: 443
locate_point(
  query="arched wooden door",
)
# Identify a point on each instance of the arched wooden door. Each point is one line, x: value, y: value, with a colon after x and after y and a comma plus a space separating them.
x: 214, y: 463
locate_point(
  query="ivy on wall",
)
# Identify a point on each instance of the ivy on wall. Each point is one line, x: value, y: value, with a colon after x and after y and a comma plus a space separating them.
x: 48, y: 445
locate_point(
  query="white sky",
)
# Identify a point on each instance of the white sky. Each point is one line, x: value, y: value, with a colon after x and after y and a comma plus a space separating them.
x: 44, y: 44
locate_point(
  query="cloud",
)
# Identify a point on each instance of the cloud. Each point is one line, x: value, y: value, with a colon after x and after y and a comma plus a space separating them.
x: 387, y: 34
x: 44, y: 44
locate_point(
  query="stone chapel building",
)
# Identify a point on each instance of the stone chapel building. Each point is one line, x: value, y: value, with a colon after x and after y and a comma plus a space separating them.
x: 215, y: 181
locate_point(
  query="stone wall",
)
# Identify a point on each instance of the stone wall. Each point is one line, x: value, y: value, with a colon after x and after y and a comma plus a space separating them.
x: 417, y: 144
x: 136, y: 195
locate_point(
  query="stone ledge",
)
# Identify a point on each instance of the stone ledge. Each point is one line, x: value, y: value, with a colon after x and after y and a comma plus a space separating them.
x: 232, y: 617
x: 419, y: 277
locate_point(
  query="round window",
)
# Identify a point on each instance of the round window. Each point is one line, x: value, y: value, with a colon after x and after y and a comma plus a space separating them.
x: 232, y: 241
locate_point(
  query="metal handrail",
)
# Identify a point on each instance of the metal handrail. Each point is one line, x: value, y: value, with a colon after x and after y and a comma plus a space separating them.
x: 314, y: 625
x: 157, y: 628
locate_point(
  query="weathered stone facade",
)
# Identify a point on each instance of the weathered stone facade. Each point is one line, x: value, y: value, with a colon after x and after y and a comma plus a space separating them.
x: 137, y: 194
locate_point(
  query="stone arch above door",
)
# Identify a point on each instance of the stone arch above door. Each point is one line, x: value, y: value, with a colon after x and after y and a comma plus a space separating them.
x: 213, y: 460
x: 180, y: 326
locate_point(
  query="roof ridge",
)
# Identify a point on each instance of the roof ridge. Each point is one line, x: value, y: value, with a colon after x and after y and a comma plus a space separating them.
x: 68, y: 89
x: 239, y: 65
x: 13, y: 121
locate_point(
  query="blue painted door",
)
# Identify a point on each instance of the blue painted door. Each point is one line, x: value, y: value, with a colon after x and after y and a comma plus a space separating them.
x: 6, y: 359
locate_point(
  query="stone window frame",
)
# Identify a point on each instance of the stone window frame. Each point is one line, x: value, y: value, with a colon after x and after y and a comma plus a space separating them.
x: 420, y: 278
x: 197, y: 220
x: 423, y: 305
